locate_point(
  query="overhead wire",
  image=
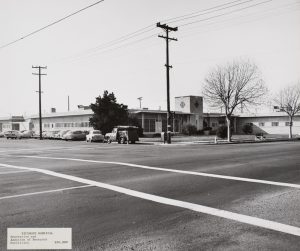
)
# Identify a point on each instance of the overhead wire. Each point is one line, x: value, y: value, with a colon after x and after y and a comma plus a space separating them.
x: 111, y: 43
x: 104, y: 47
x: 226, y: 13
x: 49, y: 25
x: 269, y: 11
x: 209, y: 10
x: 95, y: 54
x: 149, y: 28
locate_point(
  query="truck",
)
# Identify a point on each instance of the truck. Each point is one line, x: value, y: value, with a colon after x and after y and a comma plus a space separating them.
x: 123, y: 135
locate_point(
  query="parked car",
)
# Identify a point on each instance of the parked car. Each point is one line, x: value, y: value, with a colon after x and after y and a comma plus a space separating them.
x: 74, y: 135
x: 52, y: 134
x: 94, y: 136
x: 1, y: 134
x: 12, y: 134
x: 61, y: 133
x: 123, y: 134
x: 25, y: 134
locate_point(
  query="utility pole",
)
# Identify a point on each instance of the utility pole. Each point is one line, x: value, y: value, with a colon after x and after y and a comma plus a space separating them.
x: 167, y: 29
x: 140, y: 99
x: 40, y: 97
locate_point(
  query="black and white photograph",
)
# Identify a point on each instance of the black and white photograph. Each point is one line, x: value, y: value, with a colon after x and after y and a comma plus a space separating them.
x: 150, y: 125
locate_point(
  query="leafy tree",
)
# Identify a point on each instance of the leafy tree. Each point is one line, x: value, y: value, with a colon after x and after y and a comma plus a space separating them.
x: 108, y: 113
x: 288, y: 100
x: 134, y: 121
x: 231, y: 85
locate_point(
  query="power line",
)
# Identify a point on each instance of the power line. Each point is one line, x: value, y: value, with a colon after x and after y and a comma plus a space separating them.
x: 269, y: 12
x: 104, y: 50
x: 114, y: 42
x: 102, y: 47
x: 224, y: 14
x: 51, y: 24
x: 145, y: 30
x: 207, y: 11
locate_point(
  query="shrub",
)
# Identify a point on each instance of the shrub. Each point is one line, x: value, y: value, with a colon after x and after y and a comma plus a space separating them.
x: 207, y: 128
x: 189, y: 129
x: 222, y: 132
x: 247, y: 128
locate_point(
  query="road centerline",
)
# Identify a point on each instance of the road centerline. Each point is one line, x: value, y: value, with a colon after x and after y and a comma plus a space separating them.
x: 258, y: 222
x: 267, y: 182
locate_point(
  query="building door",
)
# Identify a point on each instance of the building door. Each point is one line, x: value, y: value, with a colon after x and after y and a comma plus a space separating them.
x: 158, y: 126
x: 16, y: 127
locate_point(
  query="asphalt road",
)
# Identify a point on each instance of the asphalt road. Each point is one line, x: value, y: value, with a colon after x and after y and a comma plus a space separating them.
x: 154, y: 197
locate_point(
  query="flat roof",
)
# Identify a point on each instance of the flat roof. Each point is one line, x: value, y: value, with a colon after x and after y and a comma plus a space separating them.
x: 157, y: 111
x: 270, y: 114
x: 189, y: 96
x: 62, y: 114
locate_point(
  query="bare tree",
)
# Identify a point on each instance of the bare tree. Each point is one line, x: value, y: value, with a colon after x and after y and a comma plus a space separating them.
x: 288, y: 100
x: 234, y: 84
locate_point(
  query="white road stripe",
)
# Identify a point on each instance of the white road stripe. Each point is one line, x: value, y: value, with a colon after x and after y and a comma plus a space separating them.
x: 172, y: 202
x: 33, y: 149
x: 80, y: 147
x: 9, y: 172
x: 42, y: 192
x: 176, y: 171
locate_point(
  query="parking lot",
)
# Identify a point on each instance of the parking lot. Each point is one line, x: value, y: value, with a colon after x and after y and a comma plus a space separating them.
x: 154, y: 197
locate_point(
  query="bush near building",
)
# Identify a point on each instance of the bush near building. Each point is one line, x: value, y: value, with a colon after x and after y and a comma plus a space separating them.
x: 222, y: 132
x: 189, y: 129
x: 248, y: 128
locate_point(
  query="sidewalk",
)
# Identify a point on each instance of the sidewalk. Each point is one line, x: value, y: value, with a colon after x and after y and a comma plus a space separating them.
x: 201, y: 139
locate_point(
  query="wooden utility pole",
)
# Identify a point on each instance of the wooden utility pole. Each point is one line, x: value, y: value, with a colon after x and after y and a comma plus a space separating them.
x: 167, y: 29
x: 40, y: 97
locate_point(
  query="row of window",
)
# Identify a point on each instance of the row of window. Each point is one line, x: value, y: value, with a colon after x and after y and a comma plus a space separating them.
x: 70, y: 124
x: 273, y: 124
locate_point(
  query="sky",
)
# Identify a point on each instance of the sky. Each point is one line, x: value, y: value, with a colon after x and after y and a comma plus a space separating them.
x: 114, y: 46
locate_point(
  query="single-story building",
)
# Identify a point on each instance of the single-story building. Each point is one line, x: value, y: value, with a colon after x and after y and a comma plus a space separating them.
x: 188, y: 110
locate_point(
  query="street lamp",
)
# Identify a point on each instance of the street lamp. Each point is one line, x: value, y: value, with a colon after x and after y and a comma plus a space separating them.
x: 140, y: 99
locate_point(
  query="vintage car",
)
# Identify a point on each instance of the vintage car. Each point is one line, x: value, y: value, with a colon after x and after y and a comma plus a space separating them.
x: 25, y: 134
x: 94, y: 136
x: 12, y: 134
x: 74, y: 135
x: 123, y: 135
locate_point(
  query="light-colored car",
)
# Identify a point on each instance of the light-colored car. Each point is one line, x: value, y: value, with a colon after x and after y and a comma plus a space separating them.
x: 74, y: 135
x: 52, y: 134
x: 26, y: 134
x: 12, y: 134
x: 61, y: 133
x: 94, y: 136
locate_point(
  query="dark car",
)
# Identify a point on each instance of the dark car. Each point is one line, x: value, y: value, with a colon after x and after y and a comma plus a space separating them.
x: 74, y: 135
x: 123, y: 135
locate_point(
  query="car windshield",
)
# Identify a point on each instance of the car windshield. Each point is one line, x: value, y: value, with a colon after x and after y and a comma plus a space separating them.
x: 77, y: 132
x: 96, y: 132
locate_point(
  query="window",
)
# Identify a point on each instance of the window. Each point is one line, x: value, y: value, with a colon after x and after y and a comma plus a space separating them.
x: 214, y: 124
x: 287, y: 123
x: 275, y: 123
x: 261, y: 124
